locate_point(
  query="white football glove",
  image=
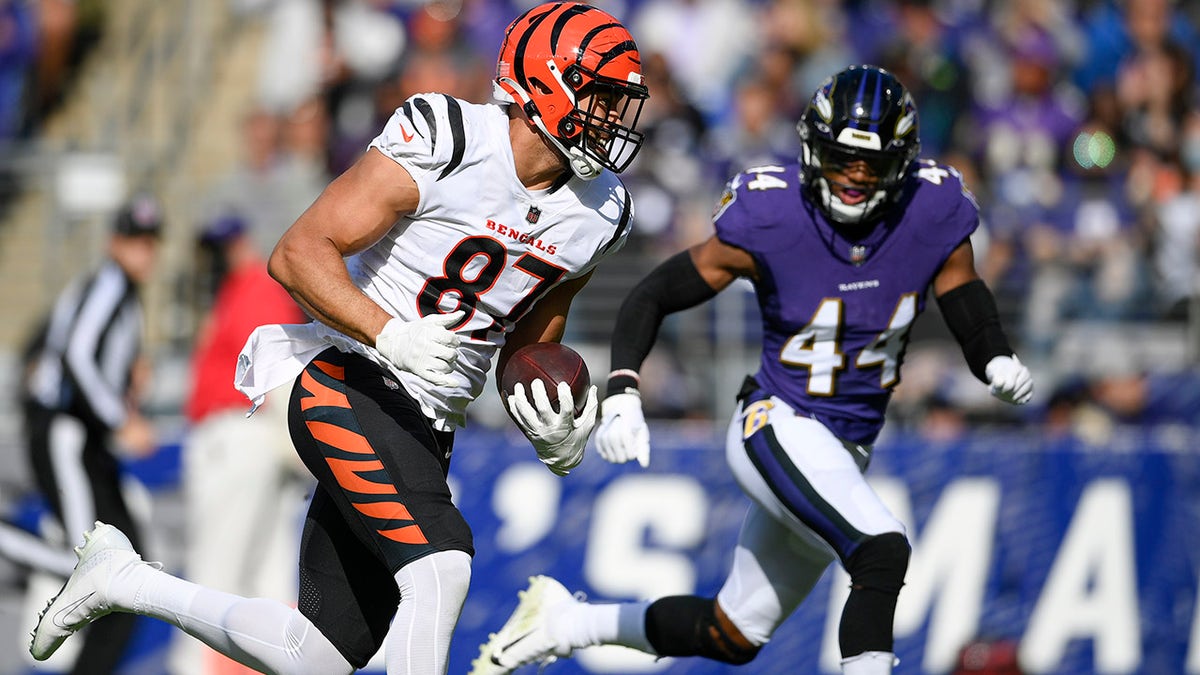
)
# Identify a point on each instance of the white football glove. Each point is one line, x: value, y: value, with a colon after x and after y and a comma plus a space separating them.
x: 623, y: 434
x: 1009, y: 380
x: 558, y: 436
x: 423, y: 347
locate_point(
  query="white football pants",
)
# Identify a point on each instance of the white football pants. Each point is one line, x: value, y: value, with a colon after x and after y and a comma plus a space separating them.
x: 810, y: 501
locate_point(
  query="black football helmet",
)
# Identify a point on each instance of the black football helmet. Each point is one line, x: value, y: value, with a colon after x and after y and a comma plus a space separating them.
x: 863, y: 114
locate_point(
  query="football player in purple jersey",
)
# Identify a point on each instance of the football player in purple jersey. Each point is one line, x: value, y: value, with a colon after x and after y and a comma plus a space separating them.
x: 841, y: 248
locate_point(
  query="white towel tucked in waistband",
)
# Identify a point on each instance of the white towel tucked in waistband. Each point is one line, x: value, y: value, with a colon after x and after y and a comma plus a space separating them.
x: 276, y: 353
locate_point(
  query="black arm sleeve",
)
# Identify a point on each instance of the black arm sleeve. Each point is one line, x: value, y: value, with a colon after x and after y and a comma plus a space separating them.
x: 970, y: 313
x: 674, y: 285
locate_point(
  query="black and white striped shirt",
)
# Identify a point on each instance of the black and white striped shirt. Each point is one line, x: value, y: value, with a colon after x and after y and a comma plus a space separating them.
x: 89, y: 348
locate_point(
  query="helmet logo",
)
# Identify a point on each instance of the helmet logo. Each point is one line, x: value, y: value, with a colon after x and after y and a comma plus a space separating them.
x: 906, y: 123
x: 860, y: 139
x: 823, y: 105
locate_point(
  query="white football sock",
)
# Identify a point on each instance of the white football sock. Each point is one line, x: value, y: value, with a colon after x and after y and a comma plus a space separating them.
x: 266, y: 635
x: 432, y: 591
x: 580, y: 624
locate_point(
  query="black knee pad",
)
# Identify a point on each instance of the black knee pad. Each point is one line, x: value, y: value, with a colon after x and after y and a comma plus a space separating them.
x: 880, y: 563
x: 876, y: 570
x: 686, y: 625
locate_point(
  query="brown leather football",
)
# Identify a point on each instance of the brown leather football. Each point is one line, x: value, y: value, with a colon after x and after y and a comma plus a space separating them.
x: 552, y: 363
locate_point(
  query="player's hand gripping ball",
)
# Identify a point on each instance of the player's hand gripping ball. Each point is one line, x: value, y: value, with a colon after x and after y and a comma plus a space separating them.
x: 551, y: 363
x: 535, y: 380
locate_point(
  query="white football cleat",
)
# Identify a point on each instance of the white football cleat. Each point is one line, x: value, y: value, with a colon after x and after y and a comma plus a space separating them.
x: 105, y: 553
x: 525, y: 638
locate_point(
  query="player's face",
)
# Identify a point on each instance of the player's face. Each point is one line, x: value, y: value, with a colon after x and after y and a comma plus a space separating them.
x: 852, y: 181
x: 607, y: 105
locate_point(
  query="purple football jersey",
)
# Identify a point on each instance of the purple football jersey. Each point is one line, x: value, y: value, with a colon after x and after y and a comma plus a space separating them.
x: 837, y: 312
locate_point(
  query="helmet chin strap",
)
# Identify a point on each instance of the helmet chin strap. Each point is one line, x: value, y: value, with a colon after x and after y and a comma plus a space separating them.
x: 581, y: 165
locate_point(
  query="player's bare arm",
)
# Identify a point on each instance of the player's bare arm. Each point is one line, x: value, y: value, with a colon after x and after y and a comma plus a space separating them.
x: 546, y: 321
x: 958, y: 269
x: 719, y: 264
x: 353, y: 212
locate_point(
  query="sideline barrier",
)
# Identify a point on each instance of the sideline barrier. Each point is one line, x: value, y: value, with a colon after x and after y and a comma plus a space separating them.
x: 1086, y: 555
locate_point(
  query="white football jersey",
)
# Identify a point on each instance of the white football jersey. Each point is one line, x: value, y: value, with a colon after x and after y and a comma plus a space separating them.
x: 478, y: 240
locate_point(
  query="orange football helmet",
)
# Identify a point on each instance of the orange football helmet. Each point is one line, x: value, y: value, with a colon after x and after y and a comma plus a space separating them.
x: 577, y: 74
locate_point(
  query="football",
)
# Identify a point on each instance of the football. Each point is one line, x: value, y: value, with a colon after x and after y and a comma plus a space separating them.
x: 552, y: 363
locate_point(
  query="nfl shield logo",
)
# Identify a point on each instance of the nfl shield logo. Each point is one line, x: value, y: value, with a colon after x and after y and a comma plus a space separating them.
x: 858, y: 254
x: 533, y: 215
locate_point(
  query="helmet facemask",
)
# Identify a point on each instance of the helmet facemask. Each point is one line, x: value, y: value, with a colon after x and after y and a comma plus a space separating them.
x: 603, y: 122
x: 878, y: 175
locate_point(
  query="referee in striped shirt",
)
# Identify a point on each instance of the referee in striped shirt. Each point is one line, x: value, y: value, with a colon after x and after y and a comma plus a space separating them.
x: 80, y: 399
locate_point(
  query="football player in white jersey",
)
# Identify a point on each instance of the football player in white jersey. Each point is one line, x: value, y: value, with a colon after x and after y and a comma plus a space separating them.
x: 464, y: 231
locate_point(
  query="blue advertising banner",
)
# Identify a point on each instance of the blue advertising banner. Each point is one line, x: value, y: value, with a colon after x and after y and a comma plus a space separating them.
x: 1083, y: 555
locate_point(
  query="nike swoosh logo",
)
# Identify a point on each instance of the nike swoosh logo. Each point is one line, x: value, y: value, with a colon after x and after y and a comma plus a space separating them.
x: 68, y: 609
x: 407, y: 136
x: 501, y: 650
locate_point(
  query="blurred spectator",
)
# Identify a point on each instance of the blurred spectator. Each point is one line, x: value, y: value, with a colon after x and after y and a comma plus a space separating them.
x: 56, y: 32
x: 438, y: 57
x: 1148, y: 398
x: 756, y: 134
x: 670, y: 170
x: 1023, y: 123
x: 303, y: 146
x: 484, y: 21
x: 1114, y: 29
x: 18, y: 55
x: 1154, y: 90
x: 272, y: 183
x: 1087, y: 250
x: 921, y: 49
x: 706, y: 44
x: 1015, y: 133
x: 1176, y: 255
x: 243, y: 484
x: 942, y: 421
x: 335, y: 52
x: 81, y: 409
x: 314, y: 46
x: 437, y: 33
x: 1060, y: 416
x: 66, y: 32
x: 802, y: 42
